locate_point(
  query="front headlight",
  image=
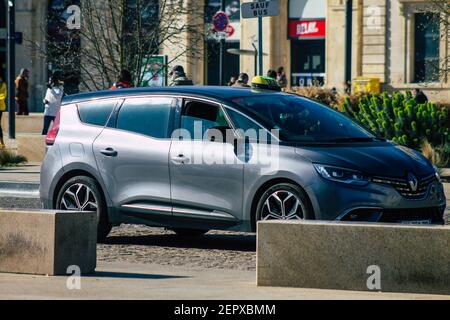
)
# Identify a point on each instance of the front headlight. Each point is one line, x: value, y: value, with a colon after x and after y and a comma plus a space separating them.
x: 342, y: 175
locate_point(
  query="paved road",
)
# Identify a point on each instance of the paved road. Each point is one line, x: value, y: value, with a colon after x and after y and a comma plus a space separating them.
x: 148, y: 281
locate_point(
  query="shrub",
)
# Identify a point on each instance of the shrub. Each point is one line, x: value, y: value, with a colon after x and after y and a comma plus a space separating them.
x: 9, y: 158
x: 439, y: 155
x: 400, y: 119
x: 318, y: 94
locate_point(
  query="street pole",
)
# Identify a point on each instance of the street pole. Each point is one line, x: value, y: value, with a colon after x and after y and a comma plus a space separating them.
x: 222, y: 45
x: 260, y: 45
x: 11, y: 69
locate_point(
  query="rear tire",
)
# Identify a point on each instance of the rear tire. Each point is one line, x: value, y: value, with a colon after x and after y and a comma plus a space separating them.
x: 190, y: 232
x: 82, y: 193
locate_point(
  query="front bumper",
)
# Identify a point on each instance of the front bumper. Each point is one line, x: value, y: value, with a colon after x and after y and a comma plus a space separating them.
x: 375, y: 203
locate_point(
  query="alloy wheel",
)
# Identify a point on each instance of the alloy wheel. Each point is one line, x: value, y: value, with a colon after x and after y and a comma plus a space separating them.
x: 283, y: 205
x: 79, y: 197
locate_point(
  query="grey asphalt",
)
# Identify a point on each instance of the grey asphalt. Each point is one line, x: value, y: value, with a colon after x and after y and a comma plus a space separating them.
x: 142, y: 282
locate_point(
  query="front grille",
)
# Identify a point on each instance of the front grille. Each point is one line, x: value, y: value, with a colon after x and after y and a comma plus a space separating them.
x: 403, y: 187
x: 433, y: 215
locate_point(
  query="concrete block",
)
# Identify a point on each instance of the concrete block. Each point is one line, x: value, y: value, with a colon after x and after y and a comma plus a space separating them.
x: 47, y: 242
x: 346, y: 256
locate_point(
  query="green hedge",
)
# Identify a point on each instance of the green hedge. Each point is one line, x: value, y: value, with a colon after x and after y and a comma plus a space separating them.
x: 400, y: 119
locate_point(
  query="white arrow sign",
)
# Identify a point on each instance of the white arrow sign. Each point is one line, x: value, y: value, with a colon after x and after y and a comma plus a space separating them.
x: 260, y: 9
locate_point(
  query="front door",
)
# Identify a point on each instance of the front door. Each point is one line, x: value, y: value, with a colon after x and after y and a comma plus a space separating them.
x: 206, y: 177
x: 133, y: 156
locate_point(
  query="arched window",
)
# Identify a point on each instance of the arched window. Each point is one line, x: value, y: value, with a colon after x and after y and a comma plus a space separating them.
x: 63, y: 44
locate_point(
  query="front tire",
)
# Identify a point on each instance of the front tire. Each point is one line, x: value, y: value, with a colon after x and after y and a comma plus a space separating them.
x: 284, y: 201
x: 83, y: 194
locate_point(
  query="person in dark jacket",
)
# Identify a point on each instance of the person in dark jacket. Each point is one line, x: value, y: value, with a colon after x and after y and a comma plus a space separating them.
x: 22, y: 92
x: 272, y: 74
x: 242, y: 81
x: 179, y: 77
x: 419, y: 96
x: 125, y: 80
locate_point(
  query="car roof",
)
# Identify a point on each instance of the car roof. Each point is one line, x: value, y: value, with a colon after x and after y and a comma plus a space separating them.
x: 213, y: 92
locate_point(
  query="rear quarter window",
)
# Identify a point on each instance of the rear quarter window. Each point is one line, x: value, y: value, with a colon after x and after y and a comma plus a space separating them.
x: 96, y: 113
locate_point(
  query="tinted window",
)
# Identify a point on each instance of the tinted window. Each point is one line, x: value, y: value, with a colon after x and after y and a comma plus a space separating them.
x: 201, y: 115
x: 147, y: 116
x: 97, y: 112
x: 301, y: 120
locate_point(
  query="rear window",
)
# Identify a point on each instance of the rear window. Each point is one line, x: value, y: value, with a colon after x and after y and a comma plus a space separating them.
x: 96, y: 113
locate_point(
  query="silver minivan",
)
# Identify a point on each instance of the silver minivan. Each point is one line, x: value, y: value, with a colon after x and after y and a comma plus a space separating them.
x: 192, y: 159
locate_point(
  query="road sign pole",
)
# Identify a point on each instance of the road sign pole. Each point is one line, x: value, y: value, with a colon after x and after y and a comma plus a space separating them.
x: 260, y: 45
x: 222, y: 45
x: 11, y: 68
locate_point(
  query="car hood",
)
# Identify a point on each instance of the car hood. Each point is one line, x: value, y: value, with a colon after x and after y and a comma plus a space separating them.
x: 380, y: 159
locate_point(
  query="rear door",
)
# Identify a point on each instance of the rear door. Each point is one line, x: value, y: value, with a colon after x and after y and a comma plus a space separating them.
x: 132, y: 156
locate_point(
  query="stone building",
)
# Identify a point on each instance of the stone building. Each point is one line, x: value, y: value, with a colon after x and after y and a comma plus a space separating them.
x: 322, y: 42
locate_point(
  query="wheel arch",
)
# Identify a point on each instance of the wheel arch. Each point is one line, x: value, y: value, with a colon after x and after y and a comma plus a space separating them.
x: 74, y: 173
x: 267, y: 185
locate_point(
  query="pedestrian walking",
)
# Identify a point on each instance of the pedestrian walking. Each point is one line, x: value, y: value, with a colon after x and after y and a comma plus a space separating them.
x: 3, y: 95
x: 242, y: 81
x: 281, y: 78
x: 420, y: 97
x: 272, y: 74
x: 52, y: 101
x: 22, y: 92
x: 232, y: 81
x: 124, y: 81
x: 179, y: 77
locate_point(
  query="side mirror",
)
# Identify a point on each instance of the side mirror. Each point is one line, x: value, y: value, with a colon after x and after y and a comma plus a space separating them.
x: 220, y: 134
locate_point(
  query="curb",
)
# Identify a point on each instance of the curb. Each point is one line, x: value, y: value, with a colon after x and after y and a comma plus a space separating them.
x: 19, y: 189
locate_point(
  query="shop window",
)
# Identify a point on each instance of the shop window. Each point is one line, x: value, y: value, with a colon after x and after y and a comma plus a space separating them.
x: 308, y: 62
x: 426, y: 47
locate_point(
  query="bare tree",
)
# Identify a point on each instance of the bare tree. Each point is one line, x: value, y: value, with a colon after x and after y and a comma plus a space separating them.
x: 120, y: 34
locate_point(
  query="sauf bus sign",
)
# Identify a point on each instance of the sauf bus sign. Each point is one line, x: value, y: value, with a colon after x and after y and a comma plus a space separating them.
x: 260, y: 9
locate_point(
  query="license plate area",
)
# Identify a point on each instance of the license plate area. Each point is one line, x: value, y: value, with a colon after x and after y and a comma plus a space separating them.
x: 417, y: 222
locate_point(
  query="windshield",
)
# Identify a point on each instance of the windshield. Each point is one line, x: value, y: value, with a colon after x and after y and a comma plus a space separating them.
x: 301, y: 120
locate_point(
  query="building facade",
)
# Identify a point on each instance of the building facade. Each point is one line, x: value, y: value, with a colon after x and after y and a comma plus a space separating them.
x: 404, y: 43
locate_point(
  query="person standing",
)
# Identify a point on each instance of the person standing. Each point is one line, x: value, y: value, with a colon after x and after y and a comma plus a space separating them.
x: 52, y: 102
x: 242, y: 81
x: 272, y: 74
x: 22, y: 92
x: 232, y: 81
x: 179, y: 77
x: 419, y: 96
x: 281, y: 78
x: 125, y: 80
x: 3, y: 95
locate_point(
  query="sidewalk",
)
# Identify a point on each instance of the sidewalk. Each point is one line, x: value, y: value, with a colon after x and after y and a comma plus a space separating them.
x: 142, y: 282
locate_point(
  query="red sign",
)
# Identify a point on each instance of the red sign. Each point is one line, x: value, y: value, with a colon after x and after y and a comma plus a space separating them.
x: 220, y: 21
x: 307, y: 29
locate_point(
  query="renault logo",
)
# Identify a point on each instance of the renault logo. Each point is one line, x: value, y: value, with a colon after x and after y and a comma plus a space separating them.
x: 413, y: 182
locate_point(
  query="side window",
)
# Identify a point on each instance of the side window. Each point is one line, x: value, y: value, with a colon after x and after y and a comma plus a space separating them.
x: 199, y: 115
x: 147, y: 116
x: 96, y: 112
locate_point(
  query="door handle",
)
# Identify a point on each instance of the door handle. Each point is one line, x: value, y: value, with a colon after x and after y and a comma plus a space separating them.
x: 109, y: 152
x: 180, y: 159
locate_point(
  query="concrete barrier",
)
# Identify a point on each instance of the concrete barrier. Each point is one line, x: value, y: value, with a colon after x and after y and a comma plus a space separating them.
x: 361, y: 257
x: 47, y: 242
